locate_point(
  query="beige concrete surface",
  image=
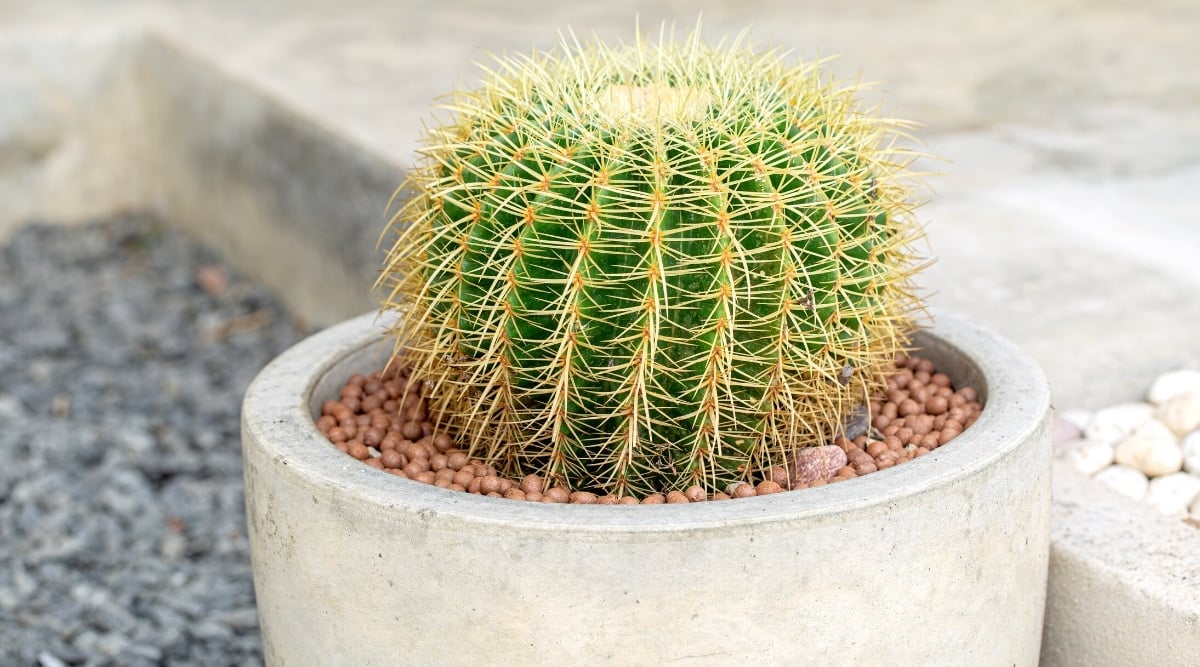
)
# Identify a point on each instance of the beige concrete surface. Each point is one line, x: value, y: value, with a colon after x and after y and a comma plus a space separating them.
x: 1065, y: 216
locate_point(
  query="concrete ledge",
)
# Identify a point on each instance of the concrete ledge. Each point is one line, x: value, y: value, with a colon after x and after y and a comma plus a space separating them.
x: 1124, y: 581
x: 152, y: 126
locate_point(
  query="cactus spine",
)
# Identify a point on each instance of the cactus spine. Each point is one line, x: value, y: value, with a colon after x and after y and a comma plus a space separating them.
x: 637, y: 268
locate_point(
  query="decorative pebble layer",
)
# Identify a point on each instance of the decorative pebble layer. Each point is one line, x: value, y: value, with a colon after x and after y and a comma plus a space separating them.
x: 124, y: 352
x: 383, y: 420
x: 1147, y: 450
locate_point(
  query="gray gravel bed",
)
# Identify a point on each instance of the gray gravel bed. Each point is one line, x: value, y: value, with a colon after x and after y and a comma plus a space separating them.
x: 125, y: 348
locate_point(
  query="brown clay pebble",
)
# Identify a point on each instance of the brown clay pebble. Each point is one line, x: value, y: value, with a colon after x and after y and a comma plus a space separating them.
x: 720, y: 495
x: 936, y: 405
x: 391, y: 459
x: 489, y: 484
x: 374, y: 462
x: 581, y: 498
x: 427, y: 478
x: 411, y: 430
x: 767, y: 487
x: 558, y: 494
x: 515, y: 494
x: 531, y: 484
x: 695, y: 493
x: 442, y: 442
x: 607, y: 500
x: 676, y: 497
x: 438, y: 462
x: 779, y: 475
x: 359, y: 451
x: 456, y: 460
x: 464, y: 477
x: 654, y: 499
x: 372, y: 437
x: 627, y: 500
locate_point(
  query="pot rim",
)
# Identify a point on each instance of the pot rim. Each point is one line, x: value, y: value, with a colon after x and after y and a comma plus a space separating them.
x: 276, y: 419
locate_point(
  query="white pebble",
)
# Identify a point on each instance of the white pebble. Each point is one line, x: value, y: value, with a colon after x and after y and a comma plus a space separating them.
x: 1191, y: 453
x: 1152, y: 448
x: 1124, y: 480
x: 1195, y: 508
x: 1087, y: 456
x: 1172, y: 383
x: 1171, y: 494
x: 1181, y: 412
x: 1112, y: 424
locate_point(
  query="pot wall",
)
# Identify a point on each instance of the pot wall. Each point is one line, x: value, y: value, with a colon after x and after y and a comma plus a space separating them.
x: 939, y: 560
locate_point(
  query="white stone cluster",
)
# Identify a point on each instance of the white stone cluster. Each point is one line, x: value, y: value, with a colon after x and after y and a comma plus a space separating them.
x: 1149, y: 451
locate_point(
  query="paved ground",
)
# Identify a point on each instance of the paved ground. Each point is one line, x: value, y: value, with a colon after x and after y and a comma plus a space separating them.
x: 1065, y: 215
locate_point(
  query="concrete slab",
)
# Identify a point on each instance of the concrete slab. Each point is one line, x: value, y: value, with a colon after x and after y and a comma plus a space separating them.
x: 1065, y: 216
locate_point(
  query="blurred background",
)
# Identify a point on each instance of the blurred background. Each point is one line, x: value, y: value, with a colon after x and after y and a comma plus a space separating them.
x: 1063, y: 211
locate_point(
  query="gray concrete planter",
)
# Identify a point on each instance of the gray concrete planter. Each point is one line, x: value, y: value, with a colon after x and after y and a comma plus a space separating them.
x: 941, y: 560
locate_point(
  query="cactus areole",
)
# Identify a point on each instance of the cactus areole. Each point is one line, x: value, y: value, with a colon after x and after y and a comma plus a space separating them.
x: 633, y: 269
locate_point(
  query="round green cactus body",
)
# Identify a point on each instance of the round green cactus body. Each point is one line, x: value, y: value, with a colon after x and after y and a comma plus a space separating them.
x: 641, y: 268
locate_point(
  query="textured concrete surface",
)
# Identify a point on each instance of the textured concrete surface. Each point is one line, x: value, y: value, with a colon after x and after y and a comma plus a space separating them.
x: 1124, y: 581
x: 719, y: 583
x: 1064, y: 216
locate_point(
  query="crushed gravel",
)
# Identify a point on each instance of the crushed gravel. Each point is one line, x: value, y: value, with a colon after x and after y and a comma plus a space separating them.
x: 125, y: 348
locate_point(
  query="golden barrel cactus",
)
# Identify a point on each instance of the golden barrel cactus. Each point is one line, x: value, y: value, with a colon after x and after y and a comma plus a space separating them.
x: 637, y: 268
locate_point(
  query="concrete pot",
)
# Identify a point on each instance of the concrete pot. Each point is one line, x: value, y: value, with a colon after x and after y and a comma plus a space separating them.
x: 941, y: 560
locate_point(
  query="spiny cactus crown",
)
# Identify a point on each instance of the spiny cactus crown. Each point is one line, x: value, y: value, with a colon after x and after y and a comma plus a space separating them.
x: 637, y: 268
